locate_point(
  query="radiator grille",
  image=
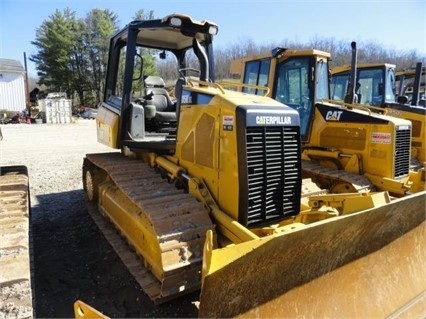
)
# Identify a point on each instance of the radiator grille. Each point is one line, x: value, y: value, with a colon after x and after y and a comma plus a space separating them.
x: 402, y: 153
x: 273, y: 183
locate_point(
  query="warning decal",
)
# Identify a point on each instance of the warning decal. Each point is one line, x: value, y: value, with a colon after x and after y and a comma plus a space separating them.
x: 228, y: 122
x: 381, y: 138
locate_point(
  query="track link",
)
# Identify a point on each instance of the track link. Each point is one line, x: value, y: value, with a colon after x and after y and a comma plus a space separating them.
x: 179, y: 223
x: 15, y: 271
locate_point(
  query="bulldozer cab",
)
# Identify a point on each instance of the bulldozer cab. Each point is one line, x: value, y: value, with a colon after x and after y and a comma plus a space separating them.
x: 410, y: 80
x: 375, y: 83
x: 378, y: 85
x: 293, y: 75
x: 138, y: 111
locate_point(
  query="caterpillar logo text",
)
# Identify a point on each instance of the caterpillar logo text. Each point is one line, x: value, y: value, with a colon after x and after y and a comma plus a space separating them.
x: 333, y: 115
x: 273, y: 120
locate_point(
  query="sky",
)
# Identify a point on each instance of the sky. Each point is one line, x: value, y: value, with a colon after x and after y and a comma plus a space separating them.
x: 395, y: 25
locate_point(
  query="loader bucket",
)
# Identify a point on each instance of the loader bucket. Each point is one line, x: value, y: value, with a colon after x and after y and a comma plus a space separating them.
x: 367, y: 264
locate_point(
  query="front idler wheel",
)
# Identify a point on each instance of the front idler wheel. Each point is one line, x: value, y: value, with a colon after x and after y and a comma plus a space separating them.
x: 92, y: 178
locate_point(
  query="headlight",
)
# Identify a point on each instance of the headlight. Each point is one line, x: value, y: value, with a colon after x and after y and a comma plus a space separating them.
x: 213, y: 29
x: 175, y: 22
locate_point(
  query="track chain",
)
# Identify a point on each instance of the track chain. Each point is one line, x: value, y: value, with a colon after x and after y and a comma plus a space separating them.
x: 180, y: 222
x: 315, y: 171
x: 15, y: 245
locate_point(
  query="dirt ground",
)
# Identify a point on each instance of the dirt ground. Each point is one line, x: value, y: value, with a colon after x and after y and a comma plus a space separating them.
x: 71, y: 258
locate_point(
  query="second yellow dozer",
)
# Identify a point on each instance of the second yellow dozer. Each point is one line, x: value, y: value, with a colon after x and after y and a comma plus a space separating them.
x: 346, y: 148
x: 208, y: 190
x: 376, y: 84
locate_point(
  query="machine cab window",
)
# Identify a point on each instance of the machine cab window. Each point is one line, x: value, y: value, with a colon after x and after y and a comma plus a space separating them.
x: 256, y: 73
x: 292, y: 88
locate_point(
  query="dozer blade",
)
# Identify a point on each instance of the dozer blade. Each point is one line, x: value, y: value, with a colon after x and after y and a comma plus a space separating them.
x: 84, y: 311
x: 370, y: 264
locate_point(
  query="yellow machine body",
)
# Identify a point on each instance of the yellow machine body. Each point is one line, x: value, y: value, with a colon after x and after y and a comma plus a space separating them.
x: 368, y: 141
x: 341, y: 225
x: 215, y: 198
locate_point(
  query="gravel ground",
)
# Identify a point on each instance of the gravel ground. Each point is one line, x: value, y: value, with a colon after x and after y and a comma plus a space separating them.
x: 71, y: 258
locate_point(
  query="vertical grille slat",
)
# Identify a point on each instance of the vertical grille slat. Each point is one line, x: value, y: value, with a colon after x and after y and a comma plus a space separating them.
x: 402, y: 153
x: 273, y: 167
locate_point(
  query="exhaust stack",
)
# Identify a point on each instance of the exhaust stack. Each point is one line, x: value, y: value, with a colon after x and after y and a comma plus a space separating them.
x: 351, y: 96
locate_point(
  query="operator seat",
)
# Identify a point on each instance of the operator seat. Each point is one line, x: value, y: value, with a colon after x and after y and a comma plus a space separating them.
x: 165, y: 108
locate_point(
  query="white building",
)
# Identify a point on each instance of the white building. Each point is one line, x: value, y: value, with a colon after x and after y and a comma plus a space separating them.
x: 12, y: 86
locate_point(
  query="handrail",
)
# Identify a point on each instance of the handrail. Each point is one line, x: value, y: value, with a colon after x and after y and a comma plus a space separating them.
x: 349, y: 105
x: 251, y: 86
x: 212, y: 84
x: 219, y: 85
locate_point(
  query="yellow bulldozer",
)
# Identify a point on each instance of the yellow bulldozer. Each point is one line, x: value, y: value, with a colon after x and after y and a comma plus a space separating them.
x: 207, y: 188
x: 376, y: 87
x: 345, y: 148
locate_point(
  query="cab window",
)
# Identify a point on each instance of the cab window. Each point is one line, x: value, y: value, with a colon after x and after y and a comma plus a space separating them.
x: 256, y: 73
x: 321, y: 85
x: 390, y: 86
x: 292, y: 88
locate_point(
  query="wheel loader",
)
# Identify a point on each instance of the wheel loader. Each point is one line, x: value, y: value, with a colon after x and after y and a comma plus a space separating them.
x: 376, y: 88
x: 345, y: 148
x: 206, y: 186
x: 15, y: 250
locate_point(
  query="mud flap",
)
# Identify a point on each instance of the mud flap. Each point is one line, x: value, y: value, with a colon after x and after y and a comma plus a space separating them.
x: 367, y: 264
